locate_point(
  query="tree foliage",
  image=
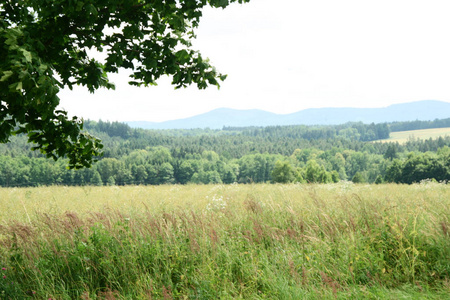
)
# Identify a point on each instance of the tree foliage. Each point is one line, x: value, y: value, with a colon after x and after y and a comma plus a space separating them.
x: 137, y: 156
x: 44, y: 47
x: 283, y: 172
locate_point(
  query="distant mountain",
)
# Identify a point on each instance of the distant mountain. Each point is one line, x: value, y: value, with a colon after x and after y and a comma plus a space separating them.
x: 216, y: 119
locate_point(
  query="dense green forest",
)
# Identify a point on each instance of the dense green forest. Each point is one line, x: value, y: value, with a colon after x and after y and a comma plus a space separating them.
x: 245, y: 155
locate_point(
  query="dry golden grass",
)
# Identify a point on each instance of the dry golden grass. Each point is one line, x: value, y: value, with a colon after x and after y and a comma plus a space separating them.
x: 23, y: 204
x: 403, y: 136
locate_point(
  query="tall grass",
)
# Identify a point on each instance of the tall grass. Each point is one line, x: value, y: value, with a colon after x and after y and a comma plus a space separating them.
x: 226, y: 242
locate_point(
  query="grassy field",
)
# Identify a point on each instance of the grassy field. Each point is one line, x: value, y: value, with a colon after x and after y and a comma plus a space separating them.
x: 335, y: 241
x: 403, y: 136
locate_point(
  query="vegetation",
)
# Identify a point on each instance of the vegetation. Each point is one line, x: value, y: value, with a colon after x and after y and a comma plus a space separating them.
x: 46, y: 46
x: 314, y: 154
x: 403, y: 136
x: 416, y: 125
x: 226, y: 241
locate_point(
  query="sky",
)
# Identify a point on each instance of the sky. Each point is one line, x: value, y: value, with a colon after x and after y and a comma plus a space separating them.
x: 284, y: 56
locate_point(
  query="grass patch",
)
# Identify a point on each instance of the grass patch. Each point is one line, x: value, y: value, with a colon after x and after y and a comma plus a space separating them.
x: 402, y: 137
x: 226, y: 242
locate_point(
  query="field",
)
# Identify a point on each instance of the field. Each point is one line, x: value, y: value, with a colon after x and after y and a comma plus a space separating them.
x: 403, y: 136
x: 334, y: 241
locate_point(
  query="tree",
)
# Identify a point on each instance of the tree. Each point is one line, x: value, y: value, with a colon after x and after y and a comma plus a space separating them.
x: 108, y: 167
x: 185, y: 172
x: 165, y: 173
x: 391, y: 151
x: 379, y: 179
x: 358, y: 178
x: 96, y: 179
x: 44, y: 48
x: 159, y: 155
x: 111, y: 181
x: 335, y: 176
x: 283, y: 172
x: 213, y: 177
x: 394, y: 171
x: 313, y: 171
x: 139, y: 173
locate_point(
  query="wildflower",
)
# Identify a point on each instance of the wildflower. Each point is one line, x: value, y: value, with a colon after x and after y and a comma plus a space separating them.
x: 217, y: 204
x: 3, y: 269
x: 4, y: 276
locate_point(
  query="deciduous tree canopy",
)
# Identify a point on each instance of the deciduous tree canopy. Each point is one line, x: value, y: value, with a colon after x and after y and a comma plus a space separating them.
x: 44, y: 47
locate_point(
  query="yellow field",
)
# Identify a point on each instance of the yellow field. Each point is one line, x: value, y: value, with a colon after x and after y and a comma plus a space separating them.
x: 25, y: 204
x: 403, y: 136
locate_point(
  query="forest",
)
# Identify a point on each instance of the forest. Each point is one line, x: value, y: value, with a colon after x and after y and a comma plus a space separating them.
x: 304, y: 154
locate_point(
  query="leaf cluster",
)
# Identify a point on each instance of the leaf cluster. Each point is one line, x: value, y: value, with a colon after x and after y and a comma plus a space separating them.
x: 49, y: 45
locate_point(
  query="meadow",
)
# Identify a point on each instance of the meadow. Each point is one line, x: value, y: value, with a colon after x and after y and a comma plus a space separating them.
x: 255, y: 241
x: 403, y: 136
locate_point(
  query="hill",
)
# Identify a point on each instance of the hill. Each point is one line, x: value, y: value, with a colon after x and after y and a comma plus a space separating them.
x: 218, y: 118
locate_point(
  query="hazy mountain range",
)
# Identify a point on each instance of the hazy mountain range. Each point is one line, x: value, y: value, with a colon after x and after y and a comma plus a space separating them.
x: 216, y: 119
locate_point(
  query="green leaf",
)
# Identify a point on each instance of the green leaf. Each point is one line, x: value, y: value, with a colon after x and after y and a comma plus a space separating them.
x: 42, y: 68
x: 80, y: 5
x: 6, y: 75
x: 27, y: 55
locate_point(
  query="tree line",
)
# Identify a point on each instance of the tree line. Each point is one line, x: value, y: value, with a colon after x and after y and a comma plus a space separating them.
x: 416, y: 125
x: 246, y: 155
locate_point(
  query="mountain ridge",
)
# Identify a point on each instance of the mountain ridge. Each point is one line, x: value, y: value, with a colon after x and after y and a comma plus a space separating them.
x: 424, y: 110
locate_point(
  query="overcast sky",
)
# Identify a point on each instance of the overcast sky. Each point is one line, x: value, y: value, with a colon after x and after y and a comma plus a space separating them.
x: 283, y: 56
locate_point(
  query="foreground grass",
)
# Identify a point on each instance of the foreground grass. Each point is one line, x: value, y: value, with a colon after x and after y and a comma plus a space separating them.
x: 226, y: 242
